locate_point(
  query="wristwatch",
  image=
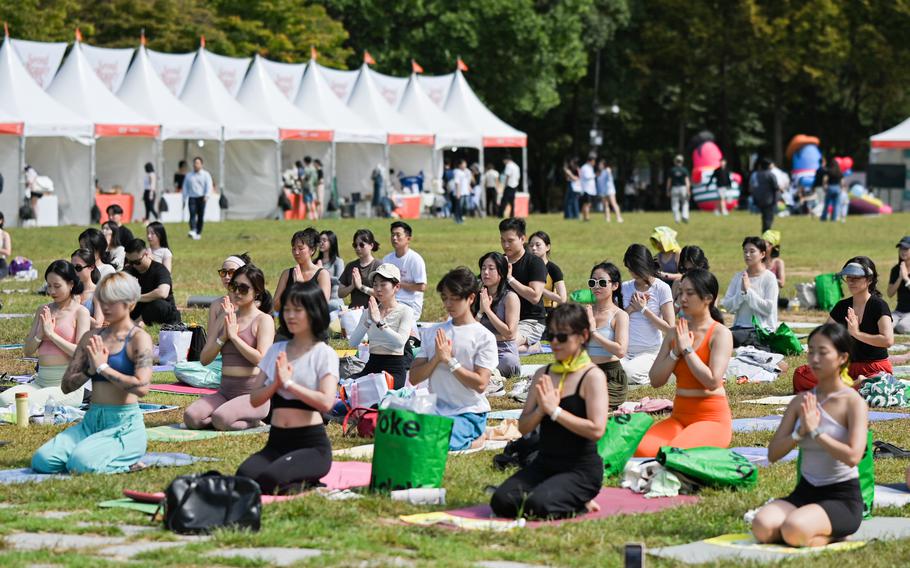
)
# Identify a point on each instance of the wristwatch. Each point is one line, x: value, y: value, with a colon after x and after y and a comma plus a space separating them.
x: 795, y: 436
x: 814, y: 434
x: 380, y: 324
x: 686, y: 351
x: 219, y: 341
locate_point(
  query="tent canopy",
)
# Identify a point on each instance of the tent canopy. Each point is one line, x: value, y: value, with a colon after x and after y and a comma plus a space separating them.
x: 416, y: 105
x: 109, y: 64
x: 464, y: 105
x: 286, y: 76
x: 172, y: 68
x: 40, y: 59
x: 315, y: 96
x: 367, y: 102
x: 896, y: 137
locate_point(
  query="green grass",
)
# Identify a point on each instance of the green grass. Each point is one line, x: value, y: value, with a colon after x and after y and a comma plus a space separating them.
x: 363, y: 531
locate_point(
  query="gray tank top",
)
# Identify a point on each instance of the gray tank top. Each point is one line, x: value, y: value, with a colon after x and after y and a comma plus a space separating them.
x: 818, y: 466
x: 499, y: 308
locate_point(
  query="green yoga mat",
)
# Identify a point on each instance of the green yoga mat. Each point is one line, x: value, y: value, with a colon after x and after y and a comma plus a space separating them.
x: 179, y: 433
x: 147, y: 508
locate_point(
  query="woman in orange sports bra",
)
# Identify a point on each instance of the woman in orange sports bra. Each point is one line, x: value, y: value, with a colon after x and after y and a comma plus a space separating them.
x: 55, y: 332
x: 699, y: 358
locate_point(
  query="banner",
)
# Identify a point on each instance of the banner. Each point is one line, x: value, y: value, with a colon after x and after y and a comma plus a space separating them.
x: 40, y: 59
x: 109, y: 64
x: 172, y: 68
x: 231, y: 70
x: 287, y: 76
x: 391, y: 88
x: 340, y: 82
x: 437, y: 88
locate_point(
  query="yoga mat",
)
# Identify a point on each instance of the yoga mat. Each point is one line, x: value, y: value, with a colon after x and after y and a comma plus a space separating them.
x: 612, y: 501
x: 503, y: 414
x: 27, y: 474
x: 180, y: 433
x: 771, y: 400
x: 346, y: 352
x: 162, y: 368
x: 366, y: 450
x: 148, y: 408
x: 181, y: 388
x: 892, y: 495
x: 147, y: 508
x: 529, y: 370
x: 794, y: 325
x: 769, y: 423
x: 544, y: 349
x: 759, y: 455
x: 8, y: 346
x: 15, y: 316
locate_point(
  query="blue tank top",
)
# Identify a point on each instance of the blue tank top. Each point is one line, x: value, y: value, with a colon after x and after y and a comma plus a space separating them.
x: 120, y: 361
x: 594, y: 347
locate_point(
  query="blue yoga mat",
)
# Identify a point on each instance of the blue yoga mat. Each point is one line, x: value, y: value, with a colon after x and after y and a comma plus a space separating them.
x: 759, y: 455
x: 769, y: 423
x: 27, y: 474
x: 503, y: 414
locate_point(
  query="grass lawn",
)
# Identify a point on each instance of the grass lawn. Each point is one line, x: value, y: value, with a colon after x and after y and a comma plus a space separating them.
x: 363, y: 532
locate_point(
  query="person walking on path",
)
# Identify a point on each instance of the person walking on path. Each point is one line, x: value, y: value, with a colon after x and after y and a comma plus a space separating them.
x: 679, y: 187
x: 197, y: 185
x: 765, y: 191
x: 721, y: 180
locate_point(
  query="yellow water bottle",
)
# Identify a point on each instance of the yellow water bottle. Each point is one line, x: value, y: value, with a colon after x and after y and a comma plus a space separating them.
x: 22, y: 409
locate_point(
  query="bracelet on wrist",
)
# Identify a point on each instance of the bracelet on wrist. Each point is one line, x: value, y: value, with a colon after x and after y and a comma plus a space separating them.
x: 556, y: 414
x: 220, y: 342
x: 100, y: 368
x: 454, y: 365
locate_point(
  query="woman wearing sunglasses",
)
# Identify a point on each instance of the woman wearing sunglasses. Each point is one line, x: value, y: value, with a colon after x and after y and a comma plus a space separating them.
x: 242, y: 335
x: 867, y: 318
x: 609, y: 327
x: 357, y: 272
x: 84, y: 264
x: 697, y: 351
x: 53, y: 338
x: 568, y: 400
x: 225, y: 273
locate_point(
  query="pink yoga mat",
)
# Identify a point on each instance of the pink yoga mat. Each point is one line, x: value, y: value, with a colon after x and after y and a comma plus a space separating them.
x: 181, y: 388
x: 342, y: 475
x: 612, y: 501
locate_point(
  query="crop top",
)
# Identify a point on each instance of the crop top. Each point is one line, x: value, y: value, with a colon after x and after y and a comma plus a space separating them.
x: 120, y: 360
x: 66, y: 332
x: 818, y: 466
x: 231, y: 356
x: 685, y: 379
x: 595, y: 348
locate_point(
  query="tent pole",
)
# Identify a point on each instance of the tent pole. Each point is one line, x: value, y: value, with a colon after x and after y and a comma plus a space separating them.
x: 21, y: 177
x: 280, y: 178
x: 159, y: 148
x: 221, y: 163
x: 524, y: 168
x: 91, y: 169
x: 334, y: 170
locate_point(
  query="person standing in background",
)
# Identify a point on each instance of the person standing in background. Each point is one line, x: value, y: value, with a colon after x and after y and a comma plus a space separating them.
x: 492, y: 189
x: 721, y: 178
x: 606, y: 190
x: 320, y: 189
x: 512, y: 175
x: 765, y: 190
x: 179, y: 176
x: 588, y: 187
x: 149, y: 189
x: 197, y: 185
x: 573, y: 190
x: 679, y: 187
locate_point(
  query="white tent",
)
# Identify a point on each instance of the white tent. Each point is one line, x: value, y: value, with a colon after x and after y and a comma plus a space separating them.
x: 391, y: 88
x: 893, y: 147
x: 286, y: 76
x: 40, y: 59
x: 437, y: 87
x: 109, y: 64
x: 230, y: 70
x: 247, y: 167
x: 125, y: 140
x: 52, y: 139
x: 897, y: 137
x: 172, y: 68
x: 301, y: 134
x: 341, y: 82
x: 417, y: 105
x: 359, y: 147
x: 409, y: 146
x: 144, y: 91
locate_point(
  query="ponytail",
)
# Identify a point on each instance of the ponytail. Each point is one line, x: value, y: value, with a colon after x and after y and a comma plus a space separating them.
x: 705, y: 285
x: 265, y: 302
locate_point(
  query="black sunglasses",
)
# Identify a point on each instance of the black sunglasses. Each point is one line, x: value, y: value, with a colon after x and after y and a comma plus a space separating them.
x: 598, y: 282
x: 225, y: 272
x: 83, y: 267
x: 560, y: 337
x: 241, y: 289
x: 136, y: 262
x: 362, y: 245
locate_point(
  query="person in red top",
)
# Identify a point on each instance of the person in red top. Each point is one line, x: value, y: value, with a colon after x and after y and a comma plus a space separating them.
x: 697, y: 351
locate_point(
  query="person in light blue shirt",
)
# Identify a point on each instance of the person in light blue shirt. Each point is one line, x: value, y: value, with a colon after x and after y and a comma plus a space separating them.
x: 197, y: 185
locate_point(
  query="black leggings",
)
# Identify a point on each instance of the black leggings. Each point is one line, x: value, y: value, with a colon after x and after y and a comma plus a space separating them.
x: 292, y: 459
x: 550, y: 488
x: 148, y: 197
x: 395, y: 365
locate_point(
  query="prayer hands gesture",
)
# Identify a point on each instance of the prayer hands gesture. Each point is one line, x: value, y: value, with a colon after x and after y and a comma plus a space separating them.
x: 486, y: 302
x: 809, y: 415
x: 98, y: 353
x: 903, y: 272
x: 298, y: 274
x: 443, y: 347
x: 231, y: 328
x: 374, y: 310
x: 48, y: 322
x: 547, y: 395
x: 284, y: 371
x: 684, y: 337
x: 356, y: 278
x: 640, y: 301
x: 746, y: 282
x: 592, y: 322
x: 852, y: 322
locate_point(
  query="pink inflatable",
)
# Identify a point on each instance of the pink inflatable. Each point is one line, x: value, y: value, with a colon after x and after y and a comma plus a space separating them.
x: 705, y: 159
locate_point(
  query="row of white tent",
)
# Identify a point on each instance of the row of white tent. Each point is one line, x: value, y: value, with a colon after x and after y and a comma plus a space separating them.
x: 104, y: 113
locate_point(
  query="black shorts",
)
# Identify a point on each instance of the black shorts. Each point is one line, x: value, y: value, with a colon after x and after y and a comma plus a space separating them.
x: 584, y: 198
x: 842, y: 502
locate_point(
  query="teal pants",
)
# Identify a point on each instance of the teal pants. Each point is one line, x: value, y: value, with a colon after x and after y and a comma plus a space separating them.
x: 109, y: 439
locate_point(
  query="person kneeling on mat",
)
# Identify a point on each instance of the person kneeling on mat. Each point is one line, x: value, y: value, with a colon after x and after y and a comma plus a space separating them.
x: 458, y: 360
x: 118, y: 360
x: 697, y: 351
x: 829, y: 424
x: 567, y: 474
x: 300, y: 378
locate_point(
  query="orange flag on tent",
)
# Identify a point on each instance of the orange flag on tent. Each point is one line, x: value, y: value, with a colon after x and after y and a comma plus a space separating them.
x: 314, y: 55
x: 78, y: 34
x: 367, y: 58
x: 5, y: 29
x: 202, y: 41
x: 415, y: 67
x: 142, y: 37
x: 461, y: 65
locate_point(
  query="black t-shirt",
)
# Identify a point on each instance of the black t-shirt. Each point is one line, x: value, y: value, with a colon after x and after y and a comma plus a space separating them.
x: 834, y: 177
x: 875, y: 309
x: 155, y: 276
x: 529, y: 269
x: 554, y: 275
x: 358, y: 298
x: 178, y: 181
x: 903, y: 293
x: 678, y: 175
x: 721, y: 177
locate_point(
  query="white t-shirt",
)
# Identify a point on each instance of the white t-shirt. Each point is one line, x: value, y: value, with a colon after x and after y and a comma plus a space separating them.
x: 513, y: 175
x: 161, y: 254
x: 462, y: 182
x: 644, y: 335
x: 473, y: 346
x: 319, y: 361
x: 490, y: 178
x: 413, y: 270
x: 588, y: 179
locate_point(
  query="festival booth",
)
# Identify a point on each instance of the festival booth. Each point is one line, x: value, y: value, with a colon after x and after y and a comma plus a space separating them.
x: 41, y: 132
x: 357, y: 146
x: 246, y: 167
x: 124, y: 139
x: 706, y: 157
x: 261, y: 95
x: 143, y: 90
x: 892, y: 148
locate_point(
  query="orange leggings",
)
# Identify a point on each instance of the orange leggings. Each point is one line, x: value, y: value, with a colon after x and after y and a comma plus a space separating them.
x: 695, y: 422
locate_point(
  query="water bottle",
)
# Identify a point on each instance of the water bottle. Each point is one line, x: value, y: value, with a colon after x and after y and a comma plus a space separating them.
x: 22, y: 409
x: 49, y: 407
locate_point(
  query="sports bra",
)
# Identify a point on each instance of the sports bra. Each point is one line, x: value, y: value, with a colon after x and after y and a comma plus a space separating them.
x: 556, y: 439
x: 120, y: 360
x: 817, y: 465
x: 231, y: 356
x: 684, y: 377
x: 595, y: 348
x: 67, y: 332
x: 279, y: 401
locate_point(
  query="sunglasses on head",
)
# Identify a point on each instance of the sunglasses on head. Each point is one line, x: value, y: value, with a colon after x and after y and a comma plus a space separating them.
x: 560, y: 337
x: 226, y: 272
x: 598, y: 283
x: 80, y: 268
x: 241, y: 289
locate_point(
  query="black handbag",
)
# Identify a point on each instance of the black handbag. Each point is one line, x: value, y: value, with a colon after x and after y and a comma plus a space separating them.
x: 196, y: 343
x: 162, y: 205
x: 223, y: 202
x: 203, y: 502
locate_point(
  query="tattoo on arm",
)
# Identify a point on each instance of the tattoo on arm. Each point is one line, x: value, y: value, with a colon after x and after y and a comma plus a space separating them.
x: 144, y: 359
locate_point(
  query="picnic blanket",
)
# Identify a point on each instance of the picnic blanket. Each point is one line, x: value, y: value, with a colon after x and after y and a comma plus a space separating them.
x: 755, y: 365
x: 152, y: 459
x: 180, y: 433
x: 771, y: 400
x: 769, y: 423
x: 181, y: 388
x: 892, y: 495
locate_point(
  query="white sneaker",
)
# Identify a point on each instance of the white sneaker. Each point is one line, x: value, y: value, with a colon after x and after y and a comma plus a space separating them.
x: 196, y: 236
x: 191, y: 234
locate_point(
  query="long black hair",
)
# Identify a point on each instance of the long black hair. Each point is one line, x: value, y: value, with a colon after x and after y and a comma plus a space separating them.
x: 257, y: 280
x: 65, y: 269
x: 571, y: 316
x: 705, y: 284
x: 115, y: 234
x: 871, y: 273
x: 94, y: 240
x: 309, y: 296
x: 88, y: 257
x: 366, y: 236
x: 333, y: 246
x: 502, y: 267
x: 459, y: 281
x: 159, y: 230
x: 543, y: 237
x: 640, y: 262
x: 837, y: 335
x: 694, y: 255
x: 615, y: 278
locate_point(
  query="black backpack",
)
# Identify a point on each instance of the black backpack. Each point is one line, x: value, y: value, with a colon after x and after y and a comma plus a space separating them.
x: 203, y: 502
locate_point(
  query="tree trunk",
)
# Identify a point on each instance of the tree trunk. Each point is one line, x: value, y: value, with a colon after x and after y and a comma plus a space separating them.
x: 778, y: 134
